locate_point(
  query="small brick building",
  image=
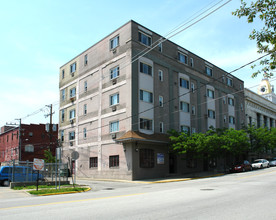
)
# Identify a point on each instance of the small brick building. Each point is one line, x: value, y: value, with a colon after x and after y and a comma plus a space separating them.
x: 27, y: 142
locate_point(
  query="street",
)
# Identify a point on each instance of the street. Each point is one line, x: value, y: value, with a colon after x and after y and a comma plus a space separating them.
x: 248, y: 195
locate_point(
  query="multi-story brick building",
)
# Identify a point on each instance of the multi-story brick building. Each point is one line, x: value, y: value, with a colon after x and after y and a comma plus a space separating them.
x: 26, y: 142
x: 119, y: 98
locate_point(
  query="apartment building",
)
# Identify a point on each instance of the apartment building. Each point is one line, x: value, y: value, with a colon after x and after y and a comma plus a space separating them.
x: 120, y: 97
x: 27, y: 142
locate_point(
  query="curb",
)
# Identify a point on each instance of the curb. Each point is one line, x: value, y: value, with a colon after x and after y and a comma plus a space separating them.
x: 69, y: 192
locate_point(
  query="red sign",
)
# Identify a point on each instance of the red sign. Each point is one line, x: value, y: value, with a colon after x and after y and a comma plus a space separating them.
x: 38, y: 164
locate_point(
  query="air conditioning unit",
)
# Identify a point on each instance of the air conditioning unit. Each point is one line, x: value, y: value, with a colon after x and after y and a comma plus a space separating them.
x: 114, y: 50
x: 114, y: 81
x: 72, y: 74
x: 72, y: 99
x: 114, y: 108
x: 72, y: 121
x: 71, y: 143
x: 113, y: 136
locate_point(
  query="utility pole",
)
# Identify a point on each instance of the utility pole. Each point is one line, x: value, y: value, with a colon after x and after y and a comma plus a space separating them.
x: 51, y: 121
x: 19, y: 144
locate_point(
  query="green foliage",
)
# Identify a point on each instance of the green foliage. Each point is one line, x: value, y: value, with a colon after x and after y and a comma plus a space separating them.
x: 48, y: 157
x: 265, y: 10
x: 58, y: 191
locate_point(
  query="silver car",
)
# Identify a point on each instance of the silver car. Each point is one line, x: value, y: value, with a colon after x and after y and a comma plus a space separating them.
x: 260, y: 163
x: 272, y: 162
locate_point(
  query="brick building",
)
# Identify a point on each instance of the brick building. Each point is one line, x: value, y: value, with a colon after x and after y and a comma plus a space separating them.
x: 26, y: 142
x: 118, y: 102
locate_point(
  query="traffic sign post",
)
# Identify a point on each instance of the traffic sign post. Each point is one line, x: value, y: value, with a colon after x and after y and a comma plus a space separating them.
x: 75, y: 155
x: 38, y: 165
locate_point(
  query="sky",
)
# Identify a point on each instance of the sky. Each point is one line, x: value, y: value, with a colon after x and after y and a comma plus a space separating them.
x: 38, y: 37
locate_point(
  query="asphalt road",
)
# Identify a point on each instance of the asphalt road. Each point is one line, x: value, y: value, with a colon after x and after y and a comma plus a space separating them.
x: 249, y: 195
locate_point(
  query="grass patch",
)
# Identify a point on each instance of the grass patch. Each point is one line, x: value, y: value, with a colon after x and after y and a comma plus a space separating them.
x: 39, y: 187
x: 61, y: 190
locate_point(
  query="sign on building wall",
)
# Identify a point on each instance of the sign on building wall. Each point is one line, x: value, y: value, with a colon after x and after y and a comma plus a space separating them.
x: 160, y: 158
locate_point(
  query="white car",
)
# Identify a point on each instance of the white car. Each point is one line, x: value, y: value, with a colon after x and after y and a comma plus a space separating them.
x: 260, y: 163
x: 272, y: 162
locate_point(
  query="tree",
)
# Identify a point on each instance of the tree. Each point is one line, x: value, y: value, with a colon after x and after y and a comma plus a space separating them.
x: 49, y: 158
x: 265, y: 10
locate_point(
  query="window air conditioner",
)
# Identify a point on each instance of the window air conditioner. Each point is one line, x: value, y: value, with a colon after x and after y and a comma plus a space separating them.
x: 114, y: 108
x: 113, y: 136
x: 114, y: 81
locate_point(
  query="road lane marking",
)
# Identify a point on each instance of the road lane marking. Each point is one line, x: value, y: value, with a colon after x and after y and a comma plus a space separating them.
x: 256, y: 175
x: 73, y: 201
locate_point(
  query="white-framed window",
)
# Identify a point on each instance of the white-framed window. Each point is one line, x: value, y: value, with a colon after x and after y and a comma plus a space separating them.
x: 71, y: 135
x: 62, y: 135
x: 29, y: 148
x: 144, y: 39
x: 146, y: 96
x: 192, y: 87
x: 114, y: 72
x: 63, y: 74
x: 84, y: 133
x: 63, y: 94
x: 114, y: 126
x: 161, y: 127
x: 231, y: 101
x: 210, y: 93
x: 85, y: 59
x: 114, y: 99
x: 160, y: 75
x: 73, y: 67
x: 161, y: 101
x: 85, y: 86
x: 229, y: 82
x: 62, y: 115
x: 160, y: 47
x: 193, y: 110
x: 191, y: 62
x: 224, y: 118
x: 184, y: 83
x: 145, y: 124
x: 231, y: 120
x: 145, y: 68
x: 114, y: 42
x: 73, y: 92
x: 208, y: 71
x: 72, y: 114
x: 182, y: 58
x: 85, y: 109
x: 185, y: 129
x: 184, y: 106
x: 211, y: 114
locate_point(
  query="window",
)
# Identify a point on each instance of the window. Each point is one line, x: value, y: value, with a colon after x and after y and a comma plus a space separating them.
x: 85, y: 86
x: 210, y: 93
x: 231, y: 101
x: 73, y: 68
x: 161, y: 101
x: 191, y: 62
x: 208, y: 71
x: 184, y: 106
x: 72, y: 92
x: 85, y: 109
x: 71, y: 135
x: 85, y: 59
x: 224, y: 118
x: 182, y: 58
x: 250, y: 120
x: 30, y: 134
x: 146, y: 158
x: 241, y: 107
x: 114, y: 126
x: 160, y: 47
x: 114, y: 161
x: 161, y: 127
x: 145, y: 124
x: 145, y: 68
x: 185, y: 129
x: 145, y: 39
x: 229, y: 82
x: 93, y: 162
x: 72, y: 114
x: 211, y: 114
x: 84, y: 133
x: 114, y: 72
x: 114, y: 42
x: 193, y: 130
x: 193, y: 110
x: 63, y: 94
x: 29, y: 148
x: 62, y: 115
x: 146, y: 96
x: 224, y: 100
x: 184, y: 83
x: 160, y: 75
x: 62, y: 135
x: 231, y: 120
x: 62, y: 74
x: 114, y: 99
x: 192, y: 87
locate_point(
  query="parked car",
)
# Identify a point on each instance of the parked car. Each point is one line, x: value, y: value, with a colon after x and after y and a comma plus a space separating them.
x: 272, y: 162
x: 17, y: 174
x: 241, y: 166
x: 260, y: 163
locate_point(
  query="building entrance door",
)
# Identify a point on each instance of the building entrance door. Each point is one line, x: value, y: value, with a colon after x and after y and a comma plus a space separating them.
x: 173, y: 163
